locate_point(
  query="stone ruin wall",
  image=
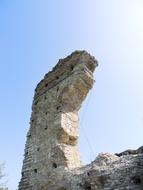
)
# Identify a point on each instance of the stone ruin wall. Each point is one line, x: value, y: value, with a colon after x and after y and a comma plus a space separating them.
x: 51, y: 159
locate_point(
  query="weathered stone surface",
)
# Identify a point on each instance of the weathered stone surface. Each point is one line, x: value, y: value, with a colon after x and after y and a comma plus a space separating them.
x: 52, y: 160
x: 130, y: 151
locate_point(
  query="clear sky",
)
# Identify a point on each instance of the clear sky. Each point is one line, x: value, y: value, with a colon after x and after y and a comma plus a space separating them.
x: 34, y: 34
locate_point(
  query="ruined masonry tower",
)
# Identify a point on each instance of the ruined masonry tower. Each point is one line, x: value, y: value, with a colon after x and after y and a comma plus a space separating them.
x: 52, y: 160
x: 52, y: 138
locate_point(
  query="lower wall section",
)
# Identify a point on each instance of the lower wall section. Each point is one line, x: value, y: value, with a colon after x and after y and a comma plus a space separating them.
x: 107, y: 172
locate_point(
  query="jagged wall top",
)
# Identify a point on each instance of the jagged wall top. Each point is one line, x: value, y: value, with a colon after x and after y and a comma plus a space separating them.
x: 64, y: 68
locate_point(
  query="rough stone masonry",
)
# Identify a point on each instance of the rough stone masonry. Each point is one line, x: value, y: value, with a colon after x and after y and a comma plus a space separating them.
x: 51, y: 160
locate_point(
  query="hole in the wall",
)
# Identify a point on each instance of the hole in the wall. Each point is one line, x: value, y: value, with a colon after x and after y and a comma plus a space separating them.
x: 54, y: 165
x: 71, y: 67
x: 58, y: 107
x: 57, y: 77
x: 26, y: 153
x: 88, y: 173
x: 88, y: 188
x: 46, y: 128
x: 136, y: 180
x: 46, y: 84
x: 35, y: 171
x: 38, y: 149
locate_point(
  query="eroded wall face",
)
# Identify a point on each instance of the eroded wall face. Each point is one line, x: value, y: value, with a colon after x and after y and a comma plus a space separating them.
x: 52, y: 137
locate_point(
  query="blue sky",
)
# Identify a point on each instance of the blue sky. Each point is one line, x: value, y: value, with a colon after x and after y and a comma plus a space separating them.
x: 34, y: 34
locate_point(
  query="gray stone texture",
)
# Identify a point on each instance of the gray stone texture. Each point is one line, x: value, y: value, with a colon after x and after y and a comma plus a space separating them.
x: 52, y: 160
